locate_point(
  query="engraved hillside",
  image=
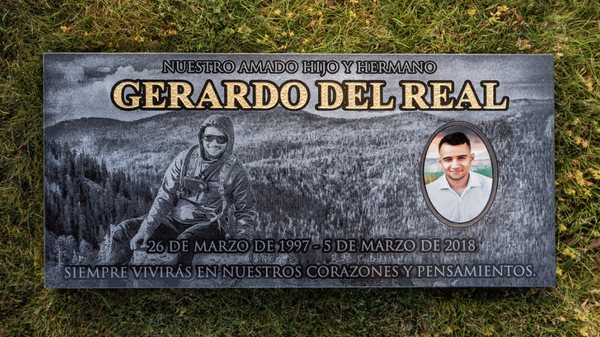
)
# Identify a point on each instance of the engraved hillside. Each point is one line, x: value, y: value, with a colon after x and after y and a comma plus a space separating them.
x: 318, y: 177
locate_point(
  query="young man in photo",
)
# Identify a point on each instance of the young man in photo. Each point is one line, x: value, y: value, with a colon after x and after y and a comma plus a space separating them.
x: 460, y: 194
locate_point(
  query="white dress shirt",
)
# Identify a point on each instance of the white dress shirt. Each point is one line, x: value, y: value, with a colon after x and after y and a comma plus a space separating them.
x: 460, y: 208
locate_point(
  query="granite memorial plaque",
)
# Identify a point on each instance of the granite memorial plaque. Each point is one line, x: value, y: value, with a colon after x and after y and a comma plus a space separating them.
x: 287, y: 170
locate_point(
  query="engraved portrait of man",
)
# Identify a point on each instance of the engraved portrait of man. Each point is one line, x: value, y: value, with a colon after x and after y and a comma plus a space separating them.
x: 205, y: 195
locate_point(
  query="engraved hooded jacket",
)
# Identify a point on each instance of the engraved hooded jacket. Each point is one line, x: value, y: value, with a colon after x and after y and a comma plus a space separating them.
x: 221, y: 182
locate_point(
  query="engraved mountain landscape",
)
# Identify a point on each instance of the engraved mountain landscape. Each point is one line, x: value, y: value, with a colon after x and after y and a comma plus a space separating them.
x: 313, y: 177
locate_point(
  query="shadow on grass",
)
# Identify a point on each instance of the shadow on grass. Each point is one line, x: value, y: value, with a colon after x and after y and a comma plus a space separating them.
x: 284, y: 311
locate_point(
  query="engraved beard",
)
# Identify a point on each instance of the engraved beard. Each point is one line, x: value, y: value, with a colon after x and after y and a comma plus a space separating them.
x: 214, y: 142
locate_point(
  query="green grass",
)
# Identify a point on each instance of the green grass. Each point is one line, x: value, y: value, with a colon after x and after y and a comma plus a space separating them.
x: 431, y: 176
x: 567, y: 29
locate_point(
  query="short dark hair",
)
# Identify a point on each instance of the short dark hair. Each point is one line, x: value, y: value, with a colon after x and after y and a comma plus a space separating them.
x: 455, y: 138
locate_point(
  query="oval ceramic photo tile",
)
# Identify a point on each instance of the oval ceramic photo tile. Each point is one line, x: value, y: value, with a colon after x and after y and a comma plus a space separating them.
x: 459, y: 172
